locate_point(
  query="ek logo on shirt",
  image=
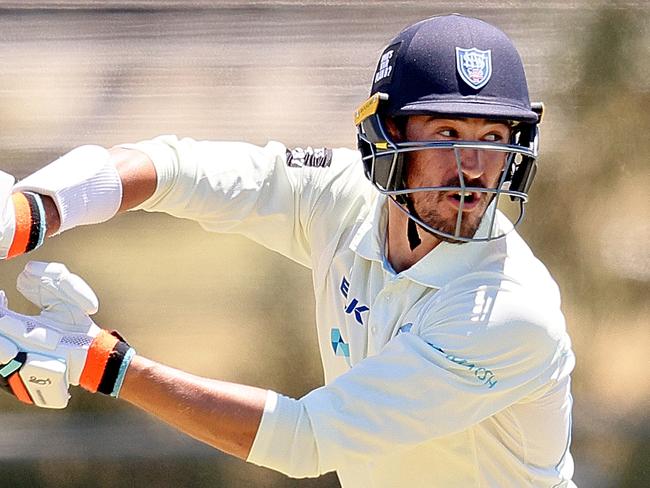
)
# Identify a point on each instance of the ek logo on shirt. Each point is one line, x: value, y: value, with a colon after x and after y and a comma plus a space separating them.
x: 353, y: 307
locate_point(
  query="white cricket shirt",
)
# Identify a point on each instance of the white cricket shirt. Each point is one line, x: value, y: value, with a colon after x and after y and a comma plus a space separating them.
x: 453, y: 373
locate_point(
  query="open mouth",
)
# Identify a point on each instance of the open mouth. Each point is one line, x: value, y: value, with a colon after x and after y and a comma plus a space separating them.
x: 470, y: 200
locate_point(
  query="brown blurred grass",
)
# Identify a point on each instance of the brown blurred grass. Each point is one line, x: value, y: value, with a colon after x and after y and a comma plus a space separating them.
x: 222, y: 306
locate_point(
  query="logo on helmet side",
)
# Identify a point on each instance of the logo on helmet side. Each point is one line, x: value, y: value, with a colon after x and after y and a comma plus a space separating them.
x: 386, y: 66
x: 474, y: 66
x: 385, y: 69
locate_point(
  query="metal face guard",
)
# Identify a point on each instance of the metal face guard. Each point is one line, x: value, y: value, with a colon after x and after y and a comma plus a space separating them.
x: 384, y: 165
x: 487, y: 231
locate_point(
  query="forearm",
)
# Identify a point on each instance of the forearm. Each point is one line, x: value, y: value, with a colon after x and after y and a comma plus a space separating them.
x: 221, y: 414
x: 138, y: 177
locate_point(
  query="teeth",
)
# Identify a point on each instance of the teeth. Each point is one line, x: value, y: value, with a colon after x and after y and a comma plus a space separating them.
x: 468, y: 195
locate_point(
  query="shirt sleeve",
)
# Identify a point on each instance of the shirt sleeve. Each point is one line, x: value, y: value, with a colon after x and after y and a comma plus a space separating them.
x: 441, y: 378
x: 236, y: 187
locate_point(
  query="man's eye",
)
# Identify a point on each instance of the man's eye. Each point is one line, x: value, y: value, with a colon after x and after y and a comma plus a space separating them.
x: 448, y: 133
x: 493, y: 137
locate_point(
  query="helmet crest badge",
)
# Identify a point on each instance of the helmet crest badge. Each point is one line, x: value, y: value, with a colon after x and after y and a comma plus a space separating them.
x: 474, y: 66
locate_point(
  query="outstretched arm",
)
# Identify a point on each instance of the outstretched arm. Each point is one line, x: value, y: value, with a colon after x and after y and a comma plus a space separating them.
x: 229, y: 187
x: 138, y: 176
x: 221, y: 414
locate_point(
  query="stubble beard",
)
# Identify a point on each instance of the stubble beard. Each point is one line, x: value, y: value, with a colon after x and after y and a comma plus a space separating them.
x: 427, y: 205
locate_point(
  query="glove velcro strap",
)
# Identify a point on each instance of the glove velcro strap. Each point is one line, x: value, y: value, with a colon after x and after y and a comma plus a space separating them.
x: 105, y: 363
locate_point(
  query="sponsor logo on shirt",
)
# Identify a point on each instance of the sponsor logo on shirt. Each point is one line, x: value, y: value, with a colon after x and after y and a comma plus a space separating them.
x: 320, y: 157
x: 483, y: 375
x: 353, y: 307
x: 340, y: 347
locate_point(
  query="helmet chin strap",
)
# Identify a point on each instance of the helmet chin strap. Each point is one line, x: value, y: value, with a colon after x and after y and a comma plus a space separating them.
x: 412, y: 228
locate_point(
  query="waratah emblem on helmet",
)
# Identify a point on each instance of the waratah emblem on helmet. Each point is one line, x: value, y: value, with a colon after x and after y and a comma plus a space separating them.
x: 474, y: 66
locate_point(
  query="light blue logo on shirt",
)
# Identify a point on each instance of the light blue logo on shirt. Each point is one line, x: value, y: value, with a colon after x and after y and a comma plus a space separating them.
x: 340, y: 347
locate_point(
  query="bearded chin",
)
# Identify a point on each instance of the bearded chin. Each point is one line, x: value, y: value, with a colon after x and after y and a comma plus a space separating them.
x: 430, y: 216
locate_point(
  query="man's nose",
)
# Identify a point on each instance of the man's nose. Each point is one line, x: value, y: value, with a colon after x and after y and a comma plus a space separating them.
x: 472, y: 163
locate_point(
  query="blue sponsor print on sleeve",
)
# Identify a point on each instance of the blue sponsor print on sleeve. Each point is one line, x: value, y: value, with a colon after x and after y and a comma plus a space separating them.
x: 483, y: 375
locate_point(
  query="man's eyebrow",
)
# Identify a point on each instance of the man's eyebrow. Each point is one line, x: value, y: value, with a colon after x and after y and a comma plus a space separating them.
x: 463, y: 119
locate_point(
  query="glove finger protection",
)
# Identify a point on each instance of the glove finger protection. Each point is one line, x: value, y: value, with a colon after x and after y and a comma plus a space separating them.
x: 62, y: 296
x: 63, y: 332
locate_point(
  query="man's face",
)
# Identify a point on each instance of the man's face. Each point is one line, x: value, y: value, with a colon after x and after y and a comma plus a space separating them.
x: 438, y: 167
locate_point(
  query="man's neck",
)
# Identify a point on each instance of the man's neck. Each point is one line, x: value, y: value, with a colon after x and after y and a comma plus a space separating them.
x: 400, y: 254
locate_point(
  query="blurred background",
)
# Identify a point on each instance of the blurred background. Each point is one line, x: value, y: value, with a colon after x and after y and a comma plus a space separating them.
x: 106, y: 72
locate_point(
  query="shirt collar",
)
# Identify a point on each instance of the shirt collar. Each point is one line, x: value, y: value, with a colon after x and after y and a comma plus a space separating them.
x: 445, y: 263
x: 369, y: 240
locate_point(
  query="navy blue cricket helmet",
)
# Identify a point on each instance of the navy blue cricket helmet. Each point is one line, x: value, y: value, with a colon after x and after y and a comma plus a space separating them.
x: 454, y: 67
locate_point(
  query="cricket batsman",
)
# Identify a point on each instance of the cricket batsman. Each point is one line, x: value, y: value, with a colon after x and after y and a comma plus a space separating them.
x: 447, y: 362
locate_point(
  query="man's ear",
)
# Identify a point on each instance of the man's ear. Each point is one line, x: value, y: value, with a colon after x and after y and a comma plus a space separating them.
x: 395, y: 128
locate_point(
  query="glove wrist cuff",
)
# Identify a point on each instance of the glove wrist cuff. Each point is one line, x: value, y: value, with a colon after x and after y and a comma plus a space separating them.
x: 108, y: 359
x: 84, y: 184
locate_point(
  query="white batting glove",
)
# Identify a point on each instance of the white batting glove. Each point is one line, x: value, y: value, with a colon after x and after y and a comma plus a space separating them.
x: 63, y: 297
x: 40, y: 356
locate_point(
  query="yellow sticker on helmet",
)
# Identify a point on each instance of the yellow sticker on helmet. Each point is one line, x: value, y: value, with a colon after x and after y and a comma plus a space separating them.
x: 368, y: 108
